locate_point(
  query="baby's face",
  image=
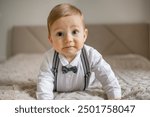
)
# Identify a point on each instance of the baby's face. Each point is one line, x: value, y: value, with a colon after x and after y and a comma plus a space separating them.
x: 68, y: 35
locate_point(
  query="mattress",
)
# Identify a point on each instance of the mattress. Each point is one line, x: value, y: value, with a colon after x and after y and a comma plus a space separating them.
x: 18, y: 77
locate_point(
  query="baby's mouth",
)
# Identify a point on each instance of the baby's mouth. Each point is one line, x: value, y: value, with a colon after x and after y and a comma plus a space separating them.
x: 68, y: 47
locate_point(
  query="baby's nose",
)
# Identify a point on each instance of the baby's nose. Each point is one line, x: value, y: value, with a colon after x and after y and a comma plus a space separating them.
x: 68, y: 38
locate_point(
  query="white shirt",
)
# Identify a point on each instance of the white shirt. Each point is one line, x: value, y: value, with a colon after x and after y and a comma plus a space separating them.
x: 75, y: 81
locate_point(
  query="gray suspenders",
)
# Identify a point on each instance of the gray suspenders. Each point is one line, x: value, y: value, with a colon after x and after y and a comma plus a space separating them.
x: 55, y: 69
x: 85, y: 64
x: 86, y: 68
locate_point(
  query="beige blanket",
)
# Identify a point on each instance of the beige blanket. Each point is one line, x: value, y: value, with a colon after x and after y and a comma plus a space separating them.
x: 18, y: 77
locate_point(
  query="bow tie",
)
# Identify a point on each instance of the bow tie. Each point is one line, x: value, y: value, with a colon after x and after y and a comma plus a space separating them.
x: 73, y: 69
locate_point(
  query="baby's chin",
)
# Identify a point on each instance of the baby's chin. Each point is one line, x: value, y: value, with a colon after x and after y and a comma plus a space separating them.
x: 70, y: 51
x: 70, y: 54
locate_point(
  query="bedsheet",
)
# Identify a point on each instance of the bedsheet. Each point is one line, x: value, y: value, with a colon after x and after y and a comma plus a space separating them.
x: 18, y: 77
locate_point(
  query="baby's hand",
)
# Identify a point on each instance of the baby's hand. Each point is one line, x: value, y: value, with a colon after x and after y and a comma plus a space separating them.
x: 116, y: 98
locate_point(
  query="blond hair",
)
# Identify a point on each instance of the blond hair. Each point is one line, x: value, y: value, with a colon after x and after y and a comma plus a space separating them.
x: 62, y: 10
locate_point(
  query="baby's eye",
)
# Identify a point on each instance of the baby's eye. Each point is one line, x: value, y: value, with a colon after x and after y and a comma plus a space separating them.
x: 59, y: 34
x: 74, y: 32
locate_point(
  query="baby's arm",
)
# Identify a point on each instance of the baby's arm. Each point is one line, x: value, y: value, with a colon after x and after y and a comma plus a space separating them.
x: 106, y: 76
x: 111, y: 86
x: 108, y: 80
x: 45, y: 82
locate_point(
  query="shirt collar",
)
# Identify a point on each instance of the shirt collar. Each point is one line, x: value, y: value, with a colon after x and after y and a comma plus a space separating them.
x: 74, y: 62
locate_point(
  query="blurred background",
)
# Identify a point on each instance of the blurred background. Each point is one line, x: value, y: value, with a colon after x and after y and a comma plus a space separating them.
x: 35, y: 12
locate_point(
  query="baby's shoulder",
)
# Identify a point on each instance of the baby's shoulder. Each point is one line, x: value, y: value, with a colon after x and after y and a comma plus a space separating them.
x: 91, y: 51
x: 93, y: 55
x: 49, y: 54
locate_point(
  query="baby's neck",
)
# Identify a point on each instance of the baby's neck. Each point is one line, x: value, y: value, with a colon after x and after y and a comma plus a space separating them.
x: 70, y: 58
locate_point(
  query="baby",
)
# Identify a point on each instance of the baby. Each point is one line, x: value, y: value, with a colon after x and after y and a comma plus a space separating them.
x: 67, y: 66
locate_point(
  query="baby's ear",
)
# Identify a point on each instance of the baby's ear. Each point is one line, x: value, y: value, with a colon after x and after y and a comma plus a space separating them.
x: 85, y: 33
x: 49, y: 38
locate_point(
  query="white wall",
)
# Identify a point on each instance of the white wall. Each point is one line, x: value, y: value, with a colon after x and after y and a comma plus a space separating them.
x: 34, y: 12
x: 115, y: 11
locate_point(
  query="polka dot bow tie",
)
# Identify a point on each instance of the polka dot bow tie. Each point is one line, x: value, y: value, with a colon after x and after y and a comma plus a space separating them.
x: 73, y: 69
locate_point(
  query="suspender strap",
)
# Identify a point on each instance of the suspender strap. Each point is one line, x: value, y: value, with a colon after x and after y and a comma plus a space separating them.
x: 86, y: 68
x: 55, y: 69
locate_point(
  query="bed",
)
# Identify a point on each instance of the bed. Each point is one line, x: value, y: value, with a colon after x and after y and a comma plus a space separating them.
x: 126, y: 47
